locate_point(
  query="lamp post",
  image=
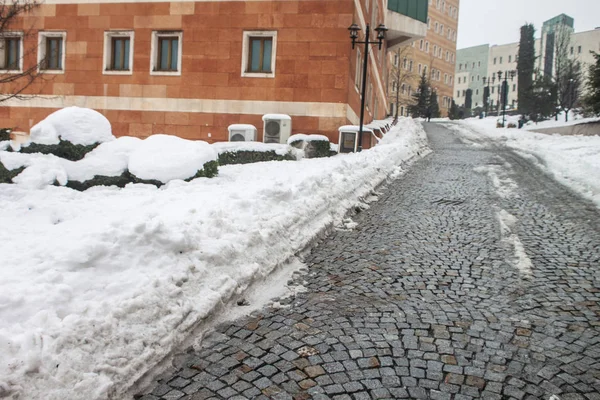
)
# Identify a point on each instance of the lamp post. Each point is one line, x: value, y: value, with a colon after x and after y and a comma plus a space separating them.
x: 504, y: 92
x: 354, y: 29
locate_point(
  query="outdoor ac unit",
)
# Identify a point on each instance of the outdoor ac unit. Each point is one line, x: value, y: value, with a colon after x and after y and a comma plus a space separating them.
x: 277, y: 128
x: 242, y: 133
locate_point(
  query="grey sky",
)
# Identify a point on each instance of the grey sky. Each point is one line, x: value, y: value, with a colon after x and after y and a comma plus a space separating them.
x: 498, y: 22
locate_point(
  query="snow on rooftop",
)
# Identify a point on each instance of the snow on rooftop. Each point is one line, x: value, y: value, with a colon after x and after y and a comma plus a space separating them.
x: 276, y: 116
x: 354, y: 128
x: 241, y: 127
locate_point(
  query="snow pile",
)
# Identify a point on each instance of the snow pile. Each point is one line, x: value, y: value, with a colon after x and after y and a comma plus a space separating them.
x: 73, y: 124
x: 98, y: 286
x: 108, y: 159
x: 572, y: 160
x: 166, y: 157
x: 224, y: 147
x: 300, y: 137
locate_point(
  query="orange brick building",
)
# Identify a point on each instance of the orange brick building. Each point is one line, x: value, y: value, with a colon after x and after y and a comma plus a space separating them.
x: 435, y: 54
x: 192, y: 68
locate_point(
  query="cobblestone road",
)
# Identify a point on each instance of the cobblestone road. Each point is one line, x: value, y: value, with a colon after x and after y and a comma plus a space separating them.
x: 457, y: 284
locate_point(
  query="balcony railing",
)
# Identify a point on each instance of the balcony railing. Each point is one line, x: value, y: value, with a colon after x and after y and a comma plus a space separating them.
x: 415, y: 9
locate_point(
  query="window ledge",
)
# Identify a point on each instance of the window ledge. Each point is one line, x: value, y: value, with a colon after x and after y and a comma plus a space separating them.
x: 258, y: 75
x: 52, y: 71
x: 116, y: 72
x: 166, y: 73
x: 10, y: 71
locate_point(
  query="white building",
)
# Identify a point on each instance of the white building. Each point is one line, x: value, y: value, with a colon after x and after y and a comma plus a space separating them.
x: 503, y: 58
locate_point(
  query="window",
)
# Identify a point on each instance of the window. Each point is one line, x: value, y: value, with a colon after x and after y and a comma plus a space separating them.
x: 118, y: 53
x: 396, y: 59
x: 394, y: 86
x: 477, y: 92
x: 579, y: 49
x: 165, y: 53
x: 572, y: 49
x: 500, y: 60
x: 403, y: 88
x: 493, y: 87
x: 405, y: 63
x: 509, y: 59
x: 439, y: 76
x: 420, y: 68
x: 436, y: 27
x: 428, y: 23
x: 421, y: 45
x: 458, y: 93
x: 11, y: 51
x: 410, y: 90
x: 495, y: 59
x: 426, y: 47
x: 259, y: 54
x: 514, y: 87
x: 479, y: 64
x: 459, y: 67
x: 51, y: 51
x: 410, y: 65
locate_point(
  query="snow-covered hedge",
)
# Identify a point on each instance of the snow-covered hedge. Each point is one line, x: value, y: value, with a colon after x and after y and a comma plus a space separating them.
x: 252, y: 152
x: 7, y: 175
x: 69, y: 133
x: 4, y: 134
x: 314, y: 146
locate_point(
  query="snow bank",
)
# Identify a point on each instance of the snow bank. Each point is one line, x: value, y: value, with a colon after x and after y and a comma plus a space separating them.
x: 572, y: 160
x: 224, y: 147
x: 166, y: 157
x: 97, y: 286
x: 73, y: 124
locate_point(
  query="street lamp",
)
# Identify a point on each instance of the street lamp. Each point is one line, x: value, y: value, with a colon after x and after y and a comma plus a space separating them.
x: 486, y: 94
x: 504, y: 93
x: 354, y: 29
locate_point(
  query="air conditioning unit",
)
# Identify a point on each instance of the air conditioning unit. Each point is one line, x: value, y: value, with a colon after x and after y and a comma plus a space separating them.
x: 242, y: 133
x: 277, y: 128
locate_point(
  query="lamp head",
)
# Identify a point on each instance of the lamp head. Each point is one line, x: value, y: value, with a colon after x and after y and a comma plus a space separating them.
x: 381, y: 30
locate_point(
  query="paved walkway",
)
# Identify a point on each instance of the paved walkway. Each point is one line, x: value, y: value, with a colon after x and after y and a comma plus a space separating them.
x: 455, y: 285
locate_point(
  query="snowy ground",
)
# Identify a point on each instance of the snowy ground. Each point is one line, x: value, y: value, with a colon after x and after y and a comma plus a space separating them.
x: 97, y: 286
x: 572, y: 160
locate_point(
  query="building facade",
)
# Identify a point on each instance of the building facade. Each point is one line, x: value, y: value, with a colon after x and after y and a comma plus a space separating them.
x: 192, y: 68
x: 502, y: 58
x: 434, y: 55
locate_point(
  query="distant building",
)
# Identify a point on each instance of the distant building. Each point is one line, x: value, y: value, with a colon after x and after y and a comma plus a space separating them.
x: 501, y: 58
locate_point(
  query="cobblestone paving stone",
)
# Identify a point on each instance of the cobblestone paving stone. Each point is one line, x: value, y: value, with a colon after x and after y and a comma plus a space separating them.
x: 423, y: 299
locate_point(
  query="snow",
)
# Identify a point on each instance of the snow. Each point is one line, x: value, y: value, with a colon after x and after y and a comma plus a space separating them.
x: 98, y: 286
x: 267, y: 117
x: 574, y: 119
x: 307, y: 138
x: 574, y: 161
x: 521, y: 261
x: 166, y: 157
x: 353, y: 128
x: 224, y: 147
x: 240, y: 127
x: 73, y: 124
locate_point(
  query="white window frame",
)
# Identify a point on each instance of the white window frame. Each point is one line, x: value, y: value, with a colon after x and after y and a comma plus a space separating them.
x: 154, y: 52
x: 108, y: 36
x: 246, y: 51
x: 41, y: 54
x: 9, y: 35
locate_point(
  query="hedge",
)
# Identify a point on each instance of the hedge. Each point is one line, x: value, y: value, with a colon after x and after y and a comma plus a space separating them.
x: 7, y: 175
x: 64, y: 149
x: 247, y: 157
x: 4, y: 134
x: 314, y: 148
x: 209, y: 170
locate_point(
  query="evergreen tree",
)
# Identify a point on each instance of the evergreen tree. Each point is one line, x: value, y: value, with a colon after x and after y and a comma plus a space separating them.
x: 592, y: 99
x: 469, y: 99
x: 421, y: 99
x: 544, y: 98
x: 453, y: 112
x: 525, y: 67
x: 433, y: 106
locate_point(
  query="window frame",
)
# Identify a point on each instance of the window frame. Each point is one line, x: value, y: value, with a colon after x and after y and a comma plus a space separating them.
x: 43, y: 37
x: 3, y: 53
x: 247, y: 35
x: 109, y: 37
x: 155, y: 51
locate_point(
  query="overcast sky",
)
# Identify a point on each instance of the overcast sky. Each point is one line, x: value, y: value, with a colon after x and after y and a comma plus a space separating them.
x: 498, y: 22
